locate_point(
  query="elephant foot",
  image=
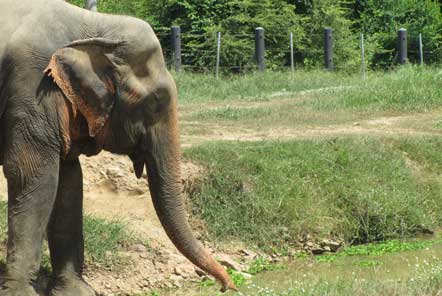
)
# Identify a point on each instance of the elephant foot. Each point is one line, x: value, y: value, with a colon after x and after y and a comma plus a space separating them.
x: 17, y: 289
x: 77, y: 287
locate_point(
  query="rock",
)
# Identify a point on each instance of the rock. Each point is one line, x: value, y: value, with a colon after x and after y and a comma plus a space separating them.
x: 248, y: 254
x: 176, y: 280
x: 331, y: 244
x: 276, y: 259
x: 246, y: 275
x: 184, y: 270
x: 139, y: 248
x: 228, y: 262
x: 114, y: 172
x: 317, y: 250
x: 144, y: 255
x: 200, y: 272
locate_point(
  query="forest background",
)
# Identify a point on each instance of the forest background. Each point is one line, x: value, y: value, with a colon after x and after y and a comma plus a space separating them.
x: 379, y: 21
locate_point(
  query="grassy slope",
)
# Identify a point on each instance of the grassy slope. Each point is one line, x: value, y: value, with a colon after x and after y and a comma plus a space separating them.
x: 358, y: 188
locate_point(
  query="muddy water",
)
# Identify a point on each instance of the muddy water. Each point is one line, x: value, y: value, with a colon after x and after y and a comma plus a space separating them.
x: 390, y: 267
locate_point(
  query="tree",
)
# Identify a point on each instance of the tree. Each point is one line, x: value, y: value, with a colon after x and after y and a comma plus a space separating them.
x: 380, y: 21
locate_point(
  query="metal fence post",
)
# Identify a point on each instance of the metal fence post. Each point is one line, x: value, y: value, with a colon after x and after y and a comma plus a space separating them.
x: 260, y: 48
x: 218, y: 52
x: 363, y: 56
x: 328, y: 49
x: 402, y: 46
x: 292, y: 56
x: 90, y: 5
x: 421, y: 50
x: 176, y: 47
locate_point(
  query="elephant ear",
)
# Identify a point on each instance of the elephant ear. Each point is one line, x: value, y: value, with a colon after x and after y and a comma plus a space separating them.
x: 87, y: 78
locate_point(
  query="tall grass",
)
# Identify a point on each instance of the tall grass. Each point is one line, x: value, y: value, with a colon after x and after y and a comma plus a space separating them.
x: 359, y: 189
x: 198, y: 88
x: 410, y: 88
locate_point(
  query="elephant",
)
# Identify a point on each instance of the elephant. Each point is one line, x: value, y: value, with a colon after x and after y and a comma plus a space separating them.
x: 75, y: 82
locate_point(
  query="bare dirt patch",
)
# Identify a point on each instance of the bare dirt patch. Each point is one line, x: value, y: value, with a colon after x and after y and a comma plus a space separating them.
x: 378, y: 126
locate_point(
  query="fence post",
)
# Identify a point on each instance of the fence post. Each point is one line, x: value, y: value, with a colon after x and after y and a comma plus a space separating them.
x: 90, y: 5
x: 363, y: 56
x: 328, y: 48
x: 176, y: 47
x: 260, y: 48
x: 292, y: 57
x: 402, y: 46
x: 218, y: 52
x: 421, y: 50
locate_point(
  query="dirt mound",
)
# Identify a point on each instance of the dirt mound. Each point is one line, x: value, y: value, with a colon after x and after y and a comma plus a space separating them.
x: 113, y: 192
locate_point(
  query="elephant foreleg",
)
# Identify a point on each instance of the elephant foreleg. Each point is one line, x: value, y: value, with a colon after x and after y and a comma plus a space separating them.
x: 65, y: 233
x: 32, y: 186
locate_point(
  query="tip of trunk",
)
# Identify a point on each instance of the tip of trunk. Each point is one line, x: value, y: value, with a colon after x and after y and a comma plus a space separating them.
x: 229, y: 286
x: 219, y: 273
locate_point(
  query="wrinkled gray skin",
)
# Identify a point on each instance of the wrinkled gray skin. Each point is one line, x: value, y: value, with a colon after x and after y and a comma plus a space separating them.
x: 76, y: 82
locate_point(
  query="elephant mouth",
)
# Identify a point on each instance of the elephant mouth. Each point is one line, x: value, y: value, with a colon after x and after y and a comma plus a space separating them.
x: 138, y: 168
x: 138, y: 162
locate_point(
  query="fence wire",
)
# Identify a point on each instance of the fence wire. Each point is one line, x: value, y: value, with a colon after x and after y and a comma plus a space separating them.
x: 199, y: 52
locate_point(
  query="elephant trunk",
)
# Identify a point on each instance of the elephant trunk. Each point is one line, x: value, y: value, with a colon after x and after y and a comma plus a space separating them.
x: 163, y: 172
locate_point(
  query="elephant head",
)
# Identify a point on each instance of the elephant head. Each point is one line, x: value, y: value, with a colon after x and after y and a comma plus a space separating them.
x: 122, y: 98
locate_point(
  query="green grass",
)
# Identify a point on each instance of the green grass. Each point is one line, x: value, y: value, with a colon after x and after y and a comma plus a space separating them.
x: 273, y: 100
x: 410, y: 88
x: 198, y: 88
x: 261, y: 264
x: 271, y: 194
x: 427, y: 281
x: 231, y: 113
x: 103, y: 240
x: 377, y: 249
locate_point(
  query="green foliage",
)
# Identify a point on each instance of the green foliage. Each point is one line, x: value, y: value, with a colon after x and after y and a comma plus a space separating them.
x: 104, y: 239
x: 357, y: 189
x: 200, y: 20
x: 236, y: 20
x: 331, y: 14
x: 261, y: 264
x: 136, y: 8
x: 237, y: 277
x: 380, y: 21
x: 377, y: 249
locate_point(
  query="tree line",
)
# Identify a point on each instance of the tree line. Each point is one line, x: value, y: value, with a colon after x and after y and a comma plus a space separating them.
x: 379, y: 21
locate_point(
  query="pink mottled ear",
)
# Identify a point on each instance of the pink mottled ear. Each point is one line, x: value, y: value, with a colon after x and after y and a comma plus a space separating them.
x: 86, y: 77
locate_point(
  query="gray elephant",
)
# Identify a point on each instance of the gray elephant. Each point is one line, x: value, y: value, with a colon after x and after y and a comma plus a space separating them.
x: 77, y: 82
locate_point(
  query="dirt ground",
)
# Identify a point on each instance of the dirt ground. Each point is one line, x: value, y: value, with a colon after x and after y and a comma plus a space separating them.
x: 113, y: 192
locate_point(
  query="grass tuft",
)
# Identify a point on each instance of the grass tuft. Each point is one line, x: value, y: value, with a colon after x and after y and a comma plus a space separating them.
x: 104, y: 239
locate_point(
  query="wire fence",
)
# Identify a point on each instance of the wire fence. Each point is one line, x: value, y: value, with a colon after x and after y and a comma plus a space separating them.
x: 218, y: 52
